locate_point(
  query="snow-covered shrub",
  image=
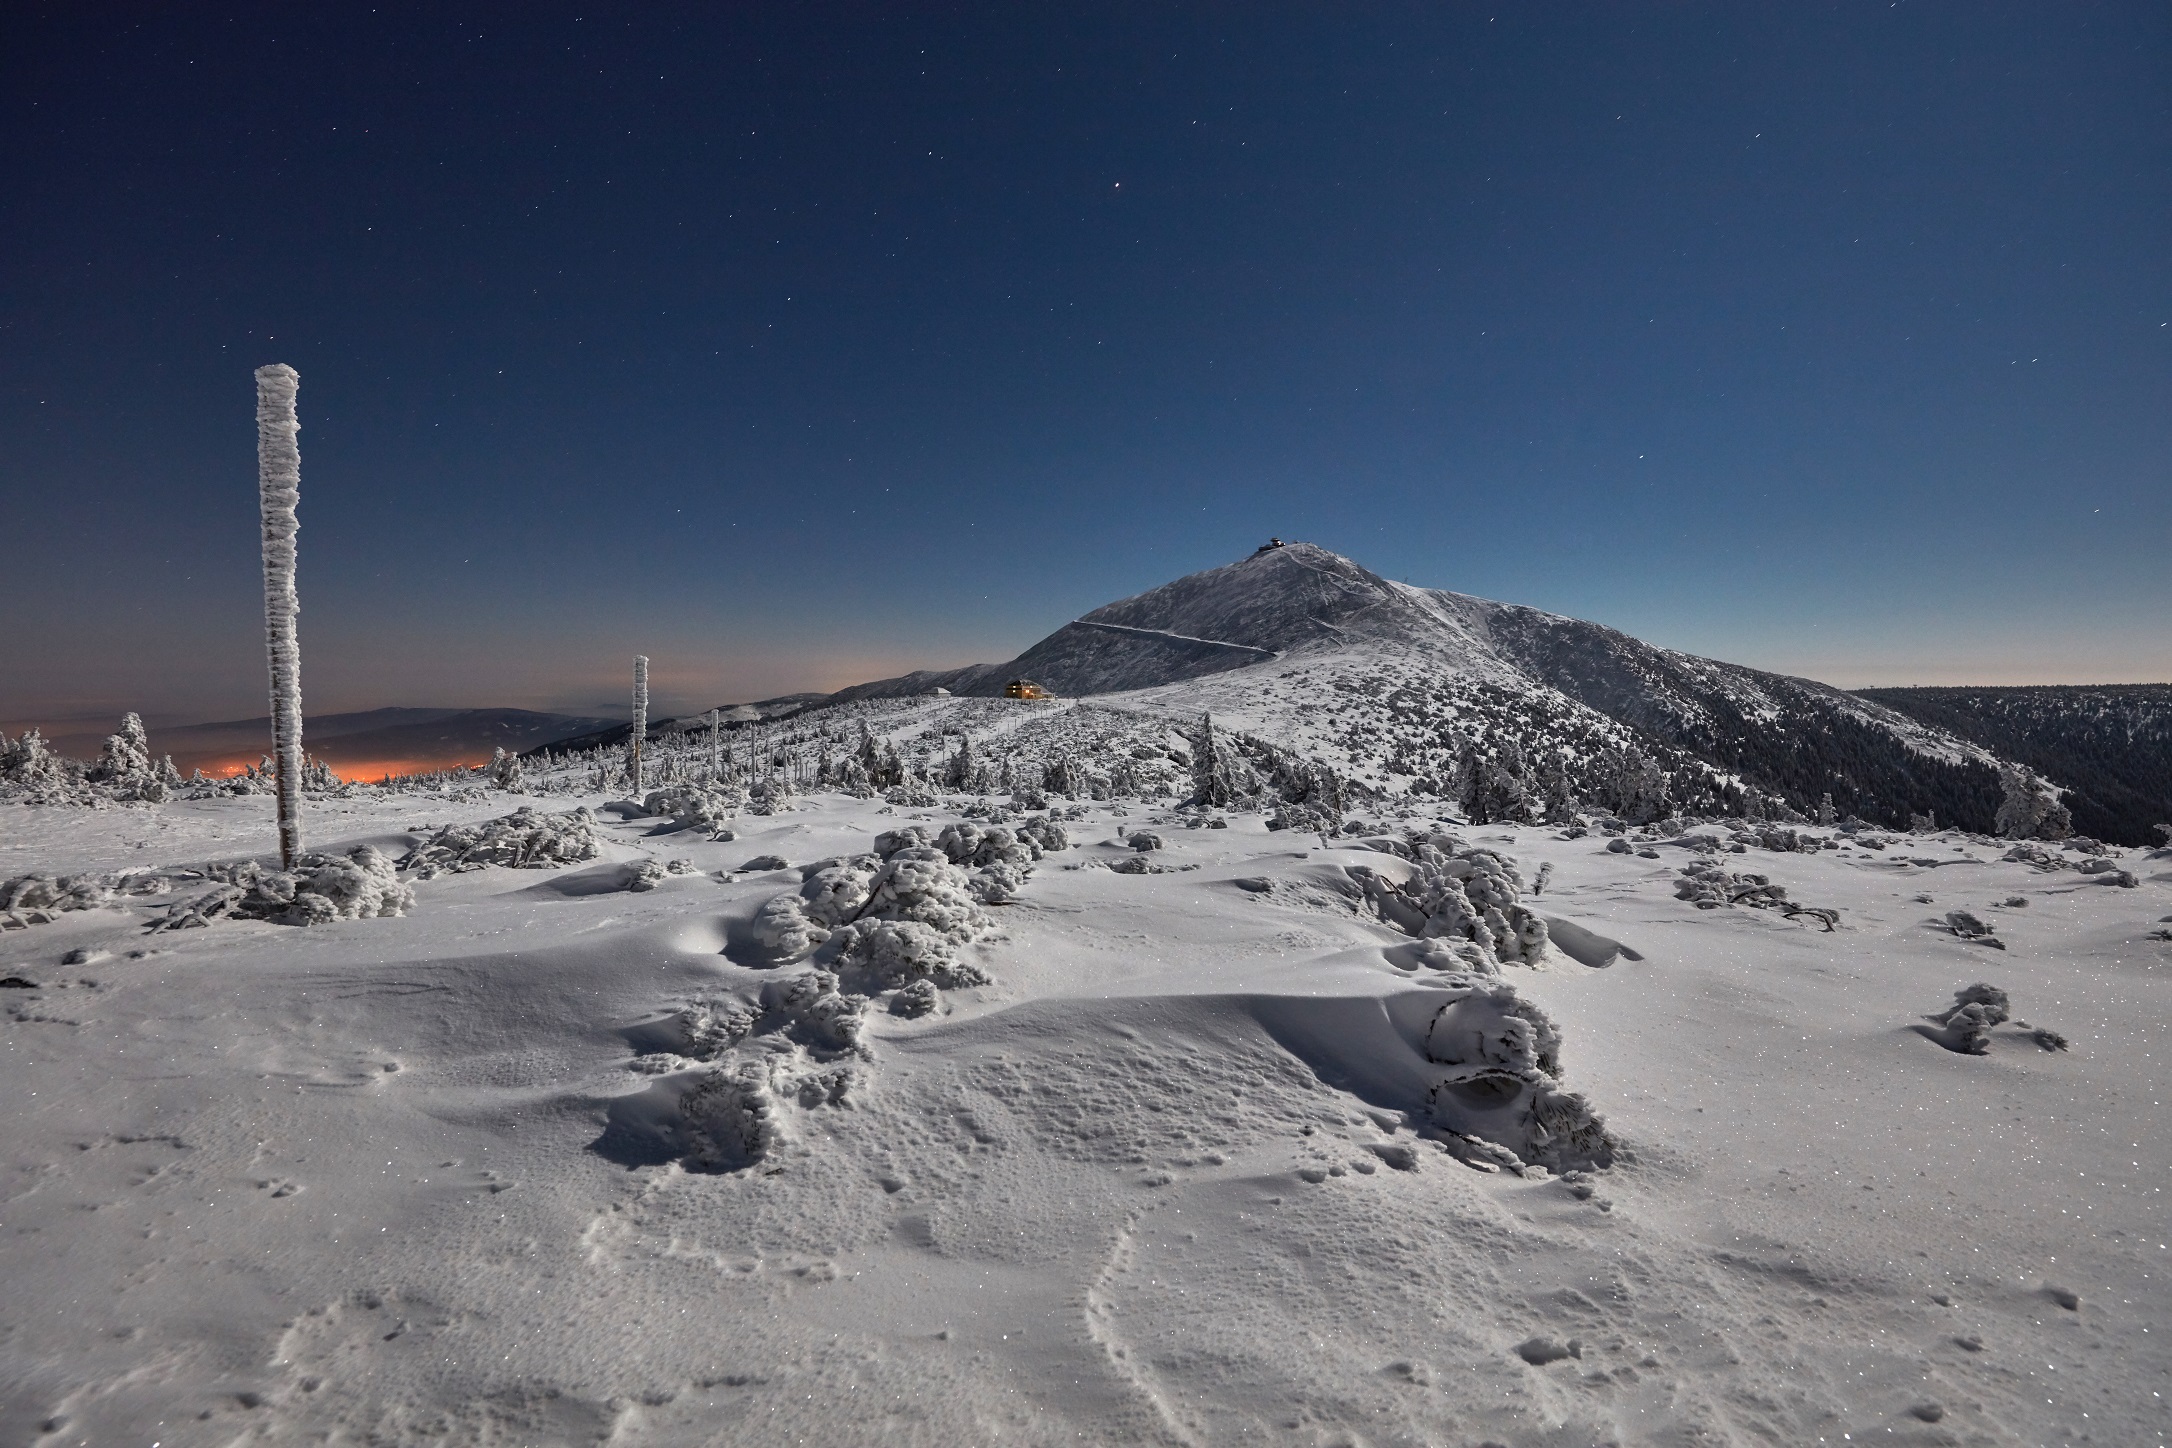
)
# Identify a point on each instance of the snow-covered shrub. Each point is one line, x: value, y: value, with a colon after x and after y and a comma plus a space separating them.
x: 772, y: 794
x: 1063, y: 776
x: 1968, y: 1021
x: 708, y: 1029
x: 813, y: 1011
x: 1497, y: 785
x: 920, y: 998
x: 322, y: 887
x: 1503, y: 1085
x: 40, y: 899
x: 526, y: 839
x: 1783, y: 840
x: 913, y: 792
x: 2030, y: 810
x: 1708, y: 886
x: 1972, y: 927
x: 784, y: 929
x: 730, y: 1118
x: 707, y: 806
x: 29, y: 763
x: 2035, y: 856
x: 902, y: 912
x: 1458, y: 893
x: 1635, y: 786
x: 125, y: 772
x: 2106, y: 871
x: 894, y: 953
x: 37, y: 899
x: 801, y: 1048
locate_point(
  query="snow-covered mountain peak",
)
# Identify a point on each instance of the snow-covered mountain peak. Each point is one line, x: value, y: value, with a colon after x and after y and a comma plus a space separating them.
x: 1295, y: 634
x: 1277, y: 599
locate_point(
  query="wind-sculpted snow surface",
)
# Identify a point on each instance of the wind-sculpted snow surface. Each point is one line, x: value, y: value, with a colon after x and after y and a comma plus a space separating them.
x: 1504, y: 1084
x: 894, y: 919
x: 798, y: 1047
x: 526, y: 839
x: 554, y: 1160
x: 40, y: 899
x: 1464, y: 904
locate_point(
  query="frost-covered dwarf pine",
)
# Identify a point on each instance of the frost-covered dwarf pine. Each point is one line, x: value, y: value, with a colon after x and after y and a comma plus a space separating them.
x: 526, y: 839
x: 1460, y: 894
x: 1220, y: 775
x: 321, y: 887
x: 2029, y: 810
x: 706, y: 806
x: 126, y: 769
x: 506, y: 773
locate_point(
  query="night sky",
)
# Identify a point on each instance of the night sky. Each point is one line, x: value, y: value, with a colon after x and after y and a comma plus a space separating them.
x: 797, y: 345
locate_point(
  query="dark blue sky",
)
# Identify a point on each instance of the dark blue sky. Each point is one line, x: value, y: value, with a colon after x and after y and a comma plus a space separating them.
x: 797, y: 345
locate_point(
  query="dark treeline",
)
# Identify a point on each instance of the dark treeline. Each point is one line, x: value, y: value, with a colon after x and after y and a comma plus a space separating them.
x: 2109, y: 745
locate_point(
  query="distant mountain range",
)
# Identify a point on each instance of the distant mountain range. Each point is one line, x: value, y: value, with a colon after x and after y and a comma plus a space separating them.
x: 362, y: 745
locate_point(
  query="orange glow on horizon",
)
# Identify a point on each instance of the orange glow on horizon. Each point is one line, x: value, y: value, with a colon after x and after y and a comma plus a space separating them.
x: 349, y: 771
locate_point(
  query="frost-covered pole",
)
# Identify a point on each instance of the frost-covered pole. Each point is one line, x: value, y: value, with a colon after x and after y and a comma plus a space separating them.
x: 716, y: 744
x: 279, y: 484
x: 641, y: 715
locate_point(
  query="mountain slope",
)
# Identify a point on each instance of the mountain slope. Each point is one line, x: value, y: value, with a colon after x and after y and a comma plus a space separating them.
x: 1302, y: 645
x: 2111, y: 744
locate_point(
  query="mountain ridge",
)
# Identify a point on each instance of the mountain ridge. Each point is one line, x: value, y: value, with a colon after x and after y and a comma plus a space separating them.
x: 1409, y: 688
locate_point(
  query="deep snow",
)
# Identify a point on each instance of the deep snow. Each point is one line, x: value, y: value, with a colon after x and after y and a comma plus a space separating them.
x: 1171, y: 1176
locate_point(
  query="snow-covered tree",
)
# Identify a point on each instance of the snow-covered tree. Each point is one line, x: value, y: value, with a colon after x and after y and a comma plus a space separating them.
x: 1220, y: 777
x: 31, y: 763
x: 125, y: 769
x: 640, y: 716
x: 506, y: 773
x: 1640, y: 788
x: 2030, y: 811
x: 963, y: 769
x: 1063, y: 776
x: 279, y: 483
x: 1497, y: 786
x: 1557, y: 789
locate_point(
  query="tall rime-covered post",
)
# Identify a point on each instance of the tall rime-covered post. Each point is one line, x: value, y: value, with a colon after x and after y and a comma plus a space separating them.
x: 641, y: 716
x: 279, y: 484
x: 716, y: 744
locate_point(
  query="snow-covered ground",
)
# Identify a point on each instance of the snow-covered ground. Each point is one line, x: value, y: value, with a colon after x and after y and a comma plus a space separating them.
x: 1172, y: 1176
